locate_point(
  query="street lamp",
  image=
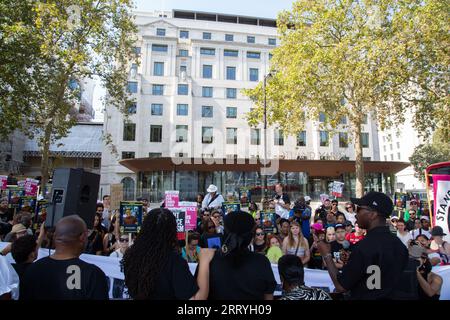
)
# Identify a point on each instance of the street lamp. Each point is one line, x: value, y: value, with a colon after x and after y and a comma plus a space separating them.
x: 267, y: 76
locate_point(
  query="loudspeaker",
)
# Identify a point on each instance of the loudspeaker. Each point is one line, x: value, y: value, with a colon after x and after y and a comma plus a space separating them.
x: 74, y: 191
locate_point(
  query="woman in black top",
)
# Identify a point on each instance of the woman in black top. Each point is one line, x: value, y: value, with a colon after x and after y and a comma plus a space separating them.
x: 236, y: 272
x: 154, y: 270
x: 259, y: 243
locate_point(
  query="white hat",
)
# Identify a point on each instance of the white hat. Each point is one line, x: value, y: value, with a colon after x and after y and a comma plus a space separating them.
x: 211, y: 188
x: 424, y: 218
x: 307, y: 198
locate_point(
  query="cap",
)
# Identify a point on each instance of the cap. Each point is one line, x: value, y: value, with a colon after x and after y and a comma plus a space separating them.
x: 339, y: 226
x: 211, y: 188
x: 424, y: 218
x: 394, y: 218
x: 307, y: 198
x: 18, y: 228
x: 437, y: 231
x: 377, y: 201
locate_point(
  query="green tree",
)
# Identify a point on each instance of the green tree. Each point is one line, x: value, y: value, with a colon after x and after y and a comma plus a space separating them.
x: 346, y: 58
x: 58, y: 44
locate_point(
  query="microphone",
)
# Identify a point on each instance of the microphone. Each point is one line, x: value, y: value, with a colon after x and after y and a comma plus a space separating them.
x: 346, y: 245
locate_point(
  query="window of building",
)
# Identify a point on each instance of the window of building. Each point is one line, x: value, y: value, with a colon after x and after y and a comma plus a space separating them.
x: 207, y: 134
x: 231, y: 135
x: 301, y: 139
x: 229, y: 37
x: 250, y: 39
x: 181, y: 133
x: 206, y: 35
x: 155, y: 133
x: 398, y: 155
x: 184, y: 34
x: 96, y: 163
x: 324, y: 138
x: 207, y: 92
x: 183, y: 69
x: 132, y: 108
x: 182, y: 109
x: 129, y: 131
x: 384, y: 148
x: 398, y: 145
x: 183, y: 89
x: 343, y: 120
x: 364, y: 119
x: 322, y: 117
x: 154, y: 155
x: 132, y: 87
x: 230, y: 53
x: 208, y: 51
x: 385, y: 158
x: 183, y: 53
x: 207, y: 111
x: 127, y: 155
x: 255, y: 138
x: 161, y: 32
x: 231, y: 112
x: 231, y: 93
x: 278, y: 138
x: 158, y: 89
x: 365, y: 139
x: 158, y: 69
x: 231, y: 73
x: 343, y: 140
x: 207, y: 71
x: 391, y: 147
x: 254, y: 74
x: 157, y: 109
x: 392, y: 157
x: 272, y: 42
x: 137, y: 50
x: 253, y: 55
x: 159, y: 47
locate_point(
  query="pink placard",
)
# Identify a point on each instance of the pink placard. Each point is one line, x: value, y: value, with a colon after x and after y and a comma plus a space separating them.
x: 3, y: 182
x: 191, y: 214
x: 31, y: 187
x: 172, y: 198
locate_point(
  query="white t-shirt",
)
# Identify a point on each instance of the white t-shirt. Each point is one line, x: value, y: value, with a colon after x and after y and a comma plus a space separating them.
x: 117, y: 254
x: 416, y: 232
x: 405, y: 238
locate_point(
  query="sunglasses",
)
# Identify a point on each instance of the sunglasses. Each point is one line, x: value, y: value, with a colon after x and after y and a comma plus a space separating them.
x: 123, y: 240
x: 260, y: 234
x: 211, y: 227
x: 348, y: 207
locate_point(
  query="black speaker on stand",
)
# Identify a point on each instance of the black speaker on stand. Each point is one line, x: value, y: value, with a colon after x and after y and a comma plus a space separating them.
x: 74, y: 191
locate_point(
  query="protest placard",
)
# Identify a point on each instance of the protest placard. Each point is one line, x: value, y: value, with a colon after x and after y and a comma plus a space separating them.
x: 338, y: 187
x: 3, y: 182
x: 268, y: 221
x: 191, y: 214
x: 180, y: 217
x: 14, y: 194
x: 172, y: 198
x: 130, y: 216
x: 27, y: 201
x: 228, y: 207
x: 31, y: 187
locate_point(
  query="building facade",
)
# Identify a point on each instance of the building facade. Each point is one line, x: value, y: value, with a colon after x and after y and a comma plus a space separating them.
x: 189, y: 105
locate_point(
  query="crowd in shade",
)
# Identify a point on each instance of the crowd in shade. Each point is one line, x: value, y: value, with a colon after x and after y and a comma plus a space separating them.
x: 228, y: 247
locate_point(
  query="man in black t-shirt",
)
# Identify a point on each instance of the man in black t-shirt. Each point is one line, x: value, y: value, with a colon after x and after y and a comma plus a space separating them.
x: 63, y: 276
x: 337, y: 246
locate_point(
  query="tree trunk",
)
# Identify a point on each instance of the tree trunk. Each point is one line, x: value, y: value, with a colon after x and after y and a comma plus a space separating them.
x: 45, y: 151
x: 359, y: 164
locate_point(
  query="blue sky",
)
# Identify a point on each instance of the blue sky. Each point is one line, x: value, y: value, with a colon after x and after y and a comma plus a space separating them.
x: 255, y: 8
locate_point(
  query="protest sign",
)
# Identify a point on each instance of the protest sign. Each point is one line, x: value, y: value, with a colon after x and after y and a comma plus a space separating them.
x: 3, y: 182
x: 27, y: 201
x: 228, y: 207
x: 130, y: 216
x: 14, y: 194
x: 324, y: 197
x: 191, y: 214
x: 268, y: 222
x: 441, y: 190
x: 338, y: 187
x: 31, y: 187
x: 172, y: 198
x: 180, y: 217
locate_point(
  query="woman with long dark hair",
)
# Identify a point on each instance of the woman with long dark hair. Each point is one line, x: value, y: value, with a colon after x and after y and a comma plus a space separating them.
x: 154, y: 270
x: 236, y: 272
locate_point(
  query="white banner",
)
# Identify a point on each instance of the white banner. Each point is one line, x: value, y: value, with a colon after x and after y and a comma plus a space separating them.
x: 313, y: 278
x: 441, y: 185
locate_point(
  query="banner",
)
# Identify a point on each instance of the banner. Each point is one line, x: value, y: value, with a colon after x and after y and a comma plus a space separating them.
x: 172, y: 198
x: 14, y: 194
x: 180, y: 217
x: 130, y: 216
x: 338, y: 187
x: 190, y: 222
x: 31, y: 187
x: 3, y: 182
x: 441, y: 193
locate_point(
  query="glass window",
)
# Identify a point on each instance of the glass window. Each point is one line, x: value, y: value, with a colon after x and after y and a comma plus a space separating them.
x: 364, y: 119
x: 157, y: 109
x: 229, y: 37
x: 181, y: 132
x: 343, y: 140
x: 183, y: 89
x: 132, y: 87
x: 230, y: 53
x: 231, y: 93
x: 231, y: 73
x: 301, y: 139
x: 270, y: 56
x: 137, y: 50
x: 127, y: 155
x: 398, y: 155
x: 253, y: 55
x: 231, y: 135
x: 343, y: 120
x: 398, y: 145
x: 184, y: 34
x: 155, y: 133
x: 182, y: 109
x: 385, y: 158
x: 207, y: 51
x: 255, y: 136
x: 129, y: 131
x: 207, y: 71
x: 159, y: 47
x: 158, y: 89
x: 132, y: 108
x: 158, y: 69
x: 323, y: 138
x: 207, y: 134
x: 322, y: 117
x: 279, y: 139
x: 254, y: 74
x: 392, y: 157
x: 161, y: 32
x: 183, y: 53
x: 231, y: 112
x: 365, y: 139
x: 207, y: 92
x: 206, y: 35
x: 153, y: 155
x: 250, y: 39
x: 183, y: 69
x: 272, y: 42
x: 207, y: 111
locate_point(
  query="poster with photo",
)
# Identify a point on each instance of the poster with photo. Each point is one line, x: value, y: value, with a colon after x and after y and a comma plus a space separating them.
x: 27, y: 202
x: 40, y: 213
x: 180, y: 217
x: 228, y: 207
x: 130, y: 216
x: 14, y: 194
x: 268, y: 222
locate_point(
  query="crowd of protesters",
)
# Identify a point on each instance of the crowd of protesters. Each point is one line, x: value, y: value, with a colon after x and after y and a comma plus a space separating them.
x: 155, y: 262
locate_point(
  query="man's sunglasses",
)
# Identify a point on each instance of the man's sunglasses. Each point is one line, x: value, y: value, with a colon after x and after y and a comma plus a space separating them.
x: 123, y: 240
